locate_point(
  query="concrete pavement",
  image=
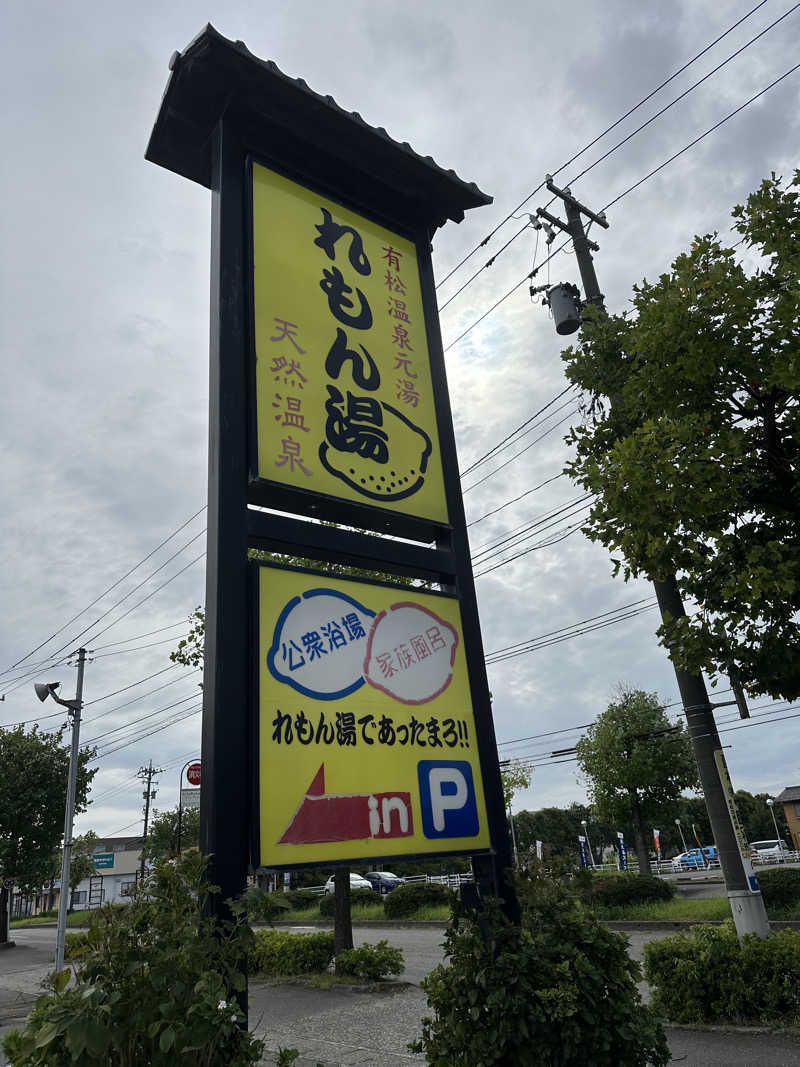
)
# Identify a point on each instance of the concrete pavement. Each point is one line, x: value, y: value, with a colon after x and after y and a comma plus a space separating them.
x: 343, y: 1026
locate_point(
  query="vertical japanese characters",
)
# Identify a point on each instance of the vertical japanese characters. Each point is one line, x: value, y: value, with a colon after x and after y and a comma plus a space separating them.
x: 345, y: 402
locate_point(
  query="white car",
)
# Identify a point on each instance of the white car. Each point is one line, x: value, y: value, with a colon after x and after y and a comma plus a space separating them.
x: 769, y: 850
x: 356, y: 882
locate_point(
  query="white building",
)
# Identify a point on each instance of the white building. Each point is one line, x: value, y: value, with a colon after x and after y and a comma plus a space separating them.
x: 116, y: 862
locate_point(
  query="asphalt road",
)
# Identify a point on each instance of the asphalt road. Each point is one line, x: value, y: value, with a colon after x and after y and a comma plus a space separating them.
x: 342, y: 1026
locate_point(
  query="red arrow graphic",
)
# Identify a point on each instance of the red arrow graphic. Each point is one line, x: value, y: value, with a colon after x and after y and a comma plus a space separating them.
x: 324, y: 817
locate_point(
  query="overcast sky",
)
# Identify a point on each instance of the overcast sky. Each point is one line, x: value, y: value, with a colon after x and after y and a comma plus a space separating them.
x: 104, y: 326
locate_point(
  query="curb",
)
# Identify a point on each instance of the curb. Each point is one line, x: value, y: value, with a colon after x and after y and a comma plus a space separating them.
x: 646, y: 925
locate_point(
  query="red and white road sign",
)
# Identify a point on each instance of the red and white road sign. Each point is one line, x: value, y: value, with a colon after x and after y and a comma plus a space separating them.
x: 194, y: 773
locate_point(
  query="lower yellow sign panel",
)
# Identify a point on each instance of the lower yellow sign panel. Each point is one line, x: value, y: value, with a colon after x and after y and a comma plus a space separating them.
x: 367, y: 743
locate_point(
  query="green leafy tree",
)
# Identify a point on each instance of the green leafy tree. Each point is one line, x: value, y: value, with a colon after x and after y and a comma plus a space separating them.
x: 515, y: 777
x: 695, y: 465
x: 637, y: 764
x: 33, y: 788
x: 162, y: 833
x: 558, y: 830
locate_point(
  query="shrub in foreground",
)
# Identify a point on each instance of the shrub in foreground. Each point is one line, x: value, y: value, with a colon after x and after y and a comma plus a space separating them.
x: 407, y: 899
x: 150, y: 985
x: 558, y: 991
x: 281, y: 952
x: 709, y: 975
x: 780, y: 886
x: 624, y: 889
x: 370, y: 962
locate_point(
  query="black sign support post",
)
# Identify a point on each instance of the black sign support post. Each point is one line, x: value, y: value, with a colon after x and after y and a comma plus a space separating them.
x: 224, y: 107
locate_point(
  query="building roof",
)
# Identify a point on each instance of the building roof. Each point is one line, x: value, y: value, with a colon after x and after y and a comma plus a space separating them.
x: 790, y: 793
x: 216, y: 77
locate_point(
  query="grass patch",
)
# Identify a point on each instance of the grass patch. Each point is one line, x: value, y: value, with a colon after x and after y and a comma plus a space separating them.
x: 701, y: 910
x: 368, y: 913
x: 74, y: 918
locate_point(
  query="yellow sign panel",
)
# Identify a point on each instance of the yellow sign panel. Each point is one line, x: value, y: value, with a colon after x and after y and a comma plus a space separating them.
x: 344, y: 393
x: 367, y: 743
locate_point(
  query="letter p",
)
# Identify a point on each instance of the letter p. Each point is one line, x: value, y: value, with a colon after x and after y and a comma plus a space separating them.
x: 447, y: 799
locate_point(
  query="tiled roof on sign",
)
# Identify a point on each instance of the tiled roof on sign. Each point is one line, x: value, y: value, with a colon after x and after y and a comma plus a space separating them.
x: 216, y: 77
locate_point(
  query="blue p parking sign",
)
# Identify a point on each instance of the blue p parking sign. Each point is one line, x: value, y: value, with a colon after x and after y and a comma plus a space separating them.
x: 447, y: 799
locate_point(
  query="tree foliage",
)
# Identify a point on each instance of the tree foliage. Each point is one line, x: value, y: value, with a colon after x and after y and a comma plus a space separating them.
x: 33, y: 789
x: 162, y: 833
x: 515, y: 777
x: 81, y: 860
x: 695, y: 466
x: 637, y: 763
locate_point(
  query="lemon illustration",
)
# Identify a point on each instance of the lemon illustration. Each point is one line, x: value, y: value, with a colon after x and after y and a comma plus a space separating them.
x: 387, y: 461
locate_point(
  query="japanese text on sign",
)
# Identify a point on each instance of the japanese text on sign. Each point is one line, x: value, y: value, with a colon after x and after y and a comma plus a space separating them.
x: 345, y: 402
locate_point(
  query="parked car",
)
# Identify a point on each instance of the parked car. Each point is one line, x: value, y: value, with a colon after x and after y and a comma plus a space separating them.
x: 696, y: 859
x: 356, y: 882
x: 769, y: 850
x: 383, y: 882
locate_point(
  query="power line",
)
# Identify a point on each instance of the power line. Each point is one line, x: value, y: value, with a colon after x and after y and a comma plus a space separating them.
x: 532, y: 531
x: 146, y: 734
x: 682, y: 95
x: 105, y: 593
x: 535, y: 441
x: 141, y: 637
x: 617, y: 199
x: 600, y: 136
x: 142, y: 696
x: 142, y: 718
x: 516, y: 499
x: 510, y: 534
x: 697, y: 140
x: 134, y: 590
x: 508, y: 439
x: 133, y: 685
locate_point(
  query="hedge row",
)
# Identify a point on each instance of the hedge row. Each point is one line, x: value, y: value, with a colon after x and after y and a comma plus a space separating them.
x: 709, y: 975
x: 279, y: 952
x: 623, y: 889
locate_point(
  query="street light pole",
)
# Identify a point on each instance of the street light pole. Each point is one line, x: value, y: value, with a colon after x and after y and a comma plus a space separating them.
x: 680, y: 831
x: 771, y: 806
x: 588, y: 842
x: 74, y: 709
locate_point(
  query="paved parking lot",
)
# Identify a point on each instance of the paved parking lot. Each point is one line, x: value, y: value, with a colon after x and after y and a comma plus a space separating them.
x: 342, y: 1026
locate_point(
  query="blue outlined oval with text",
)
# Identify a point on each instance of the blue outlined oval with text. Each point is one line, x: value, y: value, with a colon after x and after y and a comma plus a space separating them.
x: 319, y: 644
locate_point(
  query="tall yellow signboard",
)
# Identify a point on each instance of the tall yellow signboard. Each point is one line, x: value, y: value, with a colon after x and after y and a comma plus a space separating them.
x: 344, y: 396
x: 367, y: 738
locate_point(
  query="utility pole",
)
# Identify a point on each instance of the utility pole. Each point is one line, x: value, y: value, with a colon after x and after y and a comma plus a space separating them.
x: 74, y: 711
x: 148, y: 774
x: 746, y: 901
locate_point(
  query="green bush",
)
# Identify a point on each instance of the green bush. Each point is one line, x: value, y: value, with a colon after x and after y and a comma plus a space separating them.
x: 407, y: 899
x: 281, y: 952
x: 617, y: 891
x: 558, y: 990
x: 76, y: 945
x: 709, y: 975
x: 261, y: 906
x: 780, y: 886
x: 302, y: 899
x: 370, y: 962
x: 358, y: 898
x: 152, y: 986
